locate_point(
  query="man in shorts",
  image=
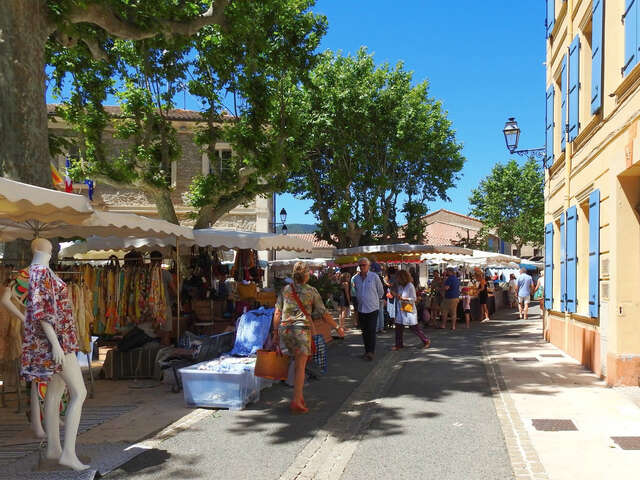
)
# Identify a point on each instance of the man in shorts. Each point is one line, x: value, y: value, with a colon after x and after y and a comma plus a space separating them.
x: 525, y: 284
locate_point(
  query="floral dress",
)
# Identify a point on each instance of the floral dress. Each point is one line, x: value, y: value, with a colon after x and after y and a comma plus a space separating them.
x: 48, y: 301
x: 295, y: 328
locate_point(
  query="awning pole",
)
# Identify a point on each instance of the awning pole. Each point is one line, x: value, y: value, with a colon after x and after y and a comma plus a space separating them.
x: 178, y: 286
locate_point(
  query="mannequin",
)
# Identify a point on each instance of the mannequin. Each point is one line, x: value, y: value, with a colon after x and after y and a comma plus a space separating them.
x: 36, y: 421
x: 48, y: 303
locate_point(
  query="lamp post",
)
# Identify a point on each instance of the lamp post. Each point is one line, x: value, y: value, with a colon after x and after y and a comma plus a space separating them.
x: 511, y: 133
x: 274, y: 225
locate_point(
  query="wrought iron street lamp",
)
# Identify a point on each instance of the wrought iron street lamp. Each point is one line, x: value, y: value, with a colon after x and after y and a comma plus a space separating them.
x: 283, y: 218
x: 511, y: 133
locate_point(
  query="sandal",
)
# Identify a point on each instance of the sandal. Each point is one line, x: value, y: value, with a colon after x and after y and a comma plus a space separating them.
x: 427, y: 344
x: 296, y: 407
x: 395, y: 348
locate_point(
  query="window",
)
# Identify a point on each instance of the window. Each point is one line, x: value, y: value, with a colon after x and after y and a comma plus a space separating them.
x: 551, y: 16
x: 550, y: 123
x: 583, y: 262
x: 596, y: 45
x: 630, y: 20
x: 216, y: 165
x: 585, y: 74
x: 536, y: 252
x: 558, y: 112
x: 574, y: 88
x: 556, y: 277
x: 563, y: 102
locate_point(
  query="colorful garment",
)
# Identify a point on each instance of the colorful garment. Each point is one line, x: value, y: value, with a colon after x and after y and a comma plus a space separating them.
x: 295, y: 328
x: 47, y: 301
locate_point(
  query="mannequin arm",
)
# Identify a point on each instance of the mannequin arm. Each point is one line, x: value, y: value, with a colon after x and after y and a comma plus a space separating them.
x: 56, y: 349
x: 5, y: 301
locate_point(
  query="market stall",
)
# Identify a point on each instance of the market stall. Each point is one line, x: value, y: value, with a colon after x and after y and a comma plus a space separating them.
x: 28, y: 212
x: 220, y: 293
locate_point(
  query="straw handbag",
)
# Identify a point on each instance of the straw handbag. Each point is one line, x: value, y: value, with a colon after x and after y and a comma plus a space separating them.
x: 272, y: 365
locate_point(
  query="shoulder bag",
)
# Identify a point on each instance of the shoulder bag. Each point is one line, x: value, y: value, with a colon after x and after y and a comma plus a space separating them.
x: 318, y: 344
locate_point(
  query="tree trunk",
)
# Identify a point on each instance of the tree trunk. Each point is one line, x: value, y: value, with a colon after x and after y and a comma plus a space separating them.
x: 164, y: 204
x: 24, y: 30
x: 24, y: 155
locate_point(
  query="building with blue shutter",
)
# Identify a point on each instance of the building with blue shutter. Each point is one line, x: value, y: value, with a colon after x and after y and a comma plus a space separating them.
x: 592, y: 186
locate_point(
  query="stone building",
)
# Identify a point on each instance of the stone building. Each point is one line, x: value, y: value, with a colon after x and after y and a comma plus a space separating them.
x: 254, y: 217
x: 592, y: 188
x: 444, y: 227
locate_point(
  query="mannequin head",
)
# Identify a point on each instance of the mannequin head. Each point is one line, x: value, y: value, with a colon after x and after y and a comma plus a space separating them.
x: 41, y: 245
x: 41, y: 249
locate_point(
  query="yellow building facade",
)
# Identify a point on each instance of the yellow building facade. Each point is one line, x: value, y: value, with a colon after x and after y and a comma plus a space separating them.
x: 592, y: 186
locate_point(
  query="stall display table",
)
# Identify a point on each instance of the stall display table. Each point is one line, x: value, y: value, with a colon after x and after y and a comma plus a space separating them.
x: 226, y: 382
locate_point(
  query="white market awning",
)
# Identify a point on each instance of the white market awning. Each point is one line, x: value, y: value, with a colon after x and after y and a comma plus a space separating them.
x: 289, y: 263
x: 34, y: 210
x: 99, y: 223
x: 103, y: 247
x: 23, y: 202
x: 440, y: 258
x: 27, y: 211
x: 232, y: 239
x: 402, y: 248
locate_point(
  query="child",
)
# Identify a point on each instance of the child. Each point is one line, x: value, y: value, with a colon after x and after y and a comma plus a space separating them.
x: 466, y: 306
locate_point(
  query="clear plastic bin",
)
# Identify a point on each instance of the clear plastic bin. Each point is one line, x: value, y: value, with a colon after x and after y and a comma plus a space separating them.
x: 232, y: 390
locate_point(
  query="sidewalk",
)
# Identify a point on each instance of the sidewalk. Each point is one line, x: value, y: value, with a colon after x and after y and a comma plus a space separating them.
x: 535, y: 384
x: 120, y: 414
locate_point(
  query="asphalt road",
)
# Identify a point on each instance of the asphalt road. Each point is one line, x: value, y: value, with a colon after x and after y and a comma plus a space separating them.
x: 409, y: 414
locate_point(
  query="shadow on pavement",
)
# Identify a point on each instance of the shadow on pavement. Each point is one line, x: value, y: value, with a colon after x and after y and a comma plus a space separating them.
x: 452, y: 365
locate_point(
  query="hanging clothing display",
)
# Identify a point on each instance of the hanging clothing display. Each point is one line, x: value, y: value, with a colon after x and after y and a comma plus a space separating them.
x: 47, y: 301
x: 10, y: 327
x: 245, y: 267
x: 112, y: 297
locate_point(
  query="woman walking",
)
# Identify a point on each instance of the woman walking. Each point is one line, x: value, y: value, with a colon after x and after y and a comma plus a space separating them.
x: 345, y: 297
x: 293, y: 328
x: 407, y: 312
x: 483, y: 298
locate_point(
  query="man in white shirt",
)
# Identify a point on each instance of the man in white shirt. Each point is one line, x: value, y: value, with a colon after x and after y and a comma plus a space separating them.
x: 368, y: 291
x: 525, y: 284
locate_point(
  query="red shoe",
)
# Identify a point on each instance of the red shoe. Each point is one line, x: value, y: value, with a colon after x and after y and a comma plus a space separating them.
x: 296, y: 407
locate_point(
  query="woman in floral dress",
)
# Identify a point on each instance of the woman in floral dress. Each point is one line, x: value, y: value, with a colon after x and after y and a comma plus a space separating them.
x: 292, y: 326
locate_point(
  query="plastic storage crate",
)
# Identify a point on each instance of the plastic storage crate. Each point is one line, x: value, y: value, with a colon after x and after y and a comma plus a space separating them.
x: 227, y: 382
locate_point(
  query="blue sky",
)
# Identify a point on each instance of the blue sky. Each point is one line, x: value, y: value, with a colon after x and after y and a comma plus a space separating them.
x: 484, y: 61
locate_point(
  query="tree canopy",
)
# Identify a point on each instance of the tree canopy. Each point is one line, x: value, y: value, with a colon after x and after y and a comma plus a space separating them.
x: 510, y: 202
x: 373, y: 144
x: 262, y: 51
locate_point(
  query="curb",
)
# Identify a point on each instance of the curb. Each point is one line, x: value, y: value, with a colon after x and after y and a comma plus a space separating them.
x: 524, y: 458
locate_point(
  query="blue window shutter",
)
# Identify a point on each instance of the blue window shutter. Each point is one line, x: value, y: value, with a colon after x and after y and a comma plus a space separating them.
x: 574, y: 88
x: 549, y: 126
x: 572, y: 259
x: 594, y: 254
x: 548, y: 266
x: 551, y: 16
x: 563, y: 264
x: 563, y: 99
x: 596, y: 56
x: 630, y: 19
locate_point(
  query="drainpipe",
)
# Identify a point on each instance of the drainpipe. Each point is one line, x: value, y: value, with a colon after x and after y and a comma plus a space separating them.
x: 568, y: 155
